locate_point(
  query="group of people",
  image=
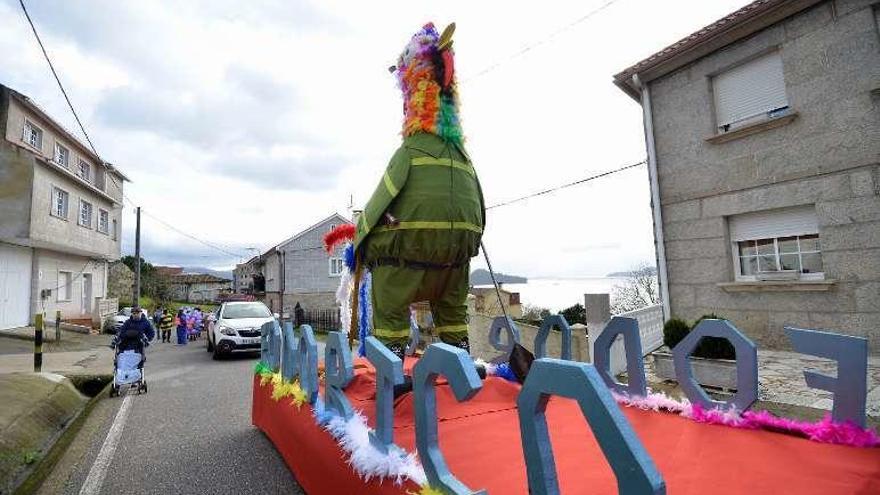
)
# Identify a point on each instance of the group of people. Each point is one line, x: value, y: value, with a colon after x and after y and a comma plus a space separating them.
x: 189, y: 323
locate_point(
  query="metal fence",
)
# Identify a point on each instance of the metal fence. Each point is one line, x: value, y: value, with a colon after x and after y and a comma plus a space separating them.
x: 322, y: 320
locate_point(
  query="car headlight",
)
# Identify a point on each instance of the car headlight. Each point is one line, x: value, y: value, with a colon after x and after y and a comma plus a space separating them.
x: 227, y: 330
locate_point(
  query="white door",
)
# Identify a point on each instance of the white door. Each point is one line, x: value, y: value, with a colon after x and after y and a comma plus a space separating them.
x: 86, y: 307
x: 15, y: 286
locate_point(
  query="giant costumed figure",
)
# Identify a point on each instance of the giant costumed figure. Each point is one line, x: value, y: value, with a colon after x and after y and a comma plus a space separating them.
x: 424, y: 222
x: 425, y: 219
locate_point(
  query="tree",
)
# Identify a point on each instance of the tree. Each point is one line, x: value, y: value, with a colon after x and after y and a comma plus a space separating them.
x: 575, y: 314
x: 153, y: 284
x: 534, y: 314
x: 639, y: 289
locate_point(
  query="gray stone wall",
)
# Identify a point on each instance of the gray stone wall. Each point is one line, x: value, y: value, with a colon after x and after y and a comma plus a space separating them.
x: 120, y: 281
x: 310, y: 301
x: 827, y: 156
x: 307, y: 265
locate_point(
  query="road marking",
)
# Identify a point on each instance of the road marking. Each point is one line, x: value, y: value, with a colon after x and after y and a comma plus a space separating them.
x: 95, y: 479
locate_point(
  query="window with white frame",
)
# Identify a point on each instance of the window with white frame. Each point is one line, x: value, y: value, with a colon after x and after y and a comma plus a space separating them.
x: 62, y: 155
x: 750, y: 92
x: 85, y: 170
x: 60, y: 197
x: 85, y: 213
x: 776, y: 244
x: 336, y: 267
x: 32, y: 135
x: 65, y: 281
x: 103, y: 221
x: 114, y: 234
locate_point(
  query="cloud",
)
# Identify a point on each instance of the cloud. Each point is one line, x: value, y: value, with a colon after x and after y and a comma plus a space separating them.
x: 248, y: 108
x: 295, y: 167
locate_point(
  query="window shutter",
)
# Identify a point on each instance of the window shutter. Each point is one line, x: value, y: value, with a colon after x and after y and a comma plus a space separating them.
x: 800, y: 220
x: 749, y: 90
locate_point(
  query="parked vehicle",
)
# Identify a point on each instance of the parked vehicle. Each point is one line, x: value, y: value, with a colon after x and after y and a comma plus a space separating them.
x: 237, y: 327
x: 119, y: 318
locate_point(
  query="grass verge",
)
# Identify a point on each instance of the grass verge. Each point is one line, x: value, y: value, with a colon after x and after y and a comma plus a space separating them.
x: 44, y: 465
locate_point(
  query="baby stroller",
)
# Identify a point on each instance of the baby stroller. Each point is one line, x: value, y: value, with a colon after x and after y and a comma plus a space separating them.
x: 128, y: 364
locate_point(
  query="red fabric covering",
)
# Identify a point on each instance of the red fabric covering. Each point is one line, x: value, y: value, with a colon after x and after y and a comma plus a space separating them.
x: 481, y: 442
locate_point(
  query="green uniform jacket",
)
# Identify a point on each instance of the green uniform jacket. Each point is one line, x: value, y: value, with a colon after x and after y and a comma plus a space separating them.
x: 432, y: 189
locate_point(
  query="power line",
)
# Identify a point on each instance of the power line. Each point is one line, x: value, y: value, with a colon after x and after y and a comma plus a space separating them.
x: 92, y: 145
x: 563, y: 186
x: 57, y: 79
x: 185, y: 234
x: 540, y: 42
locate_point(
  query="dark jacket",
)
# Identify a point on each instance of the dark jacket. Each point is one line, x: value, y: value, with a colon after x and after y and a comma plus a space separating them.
x: 143, y: 326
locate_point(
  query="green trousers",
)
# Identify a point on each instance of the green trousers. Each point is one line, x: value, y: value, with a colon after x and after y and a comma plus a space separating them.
x: 396, y: 287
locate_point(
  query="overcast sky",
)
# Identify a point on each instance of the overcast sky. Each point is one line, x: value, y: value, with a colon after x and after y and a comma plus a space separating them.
x: 245, y: 122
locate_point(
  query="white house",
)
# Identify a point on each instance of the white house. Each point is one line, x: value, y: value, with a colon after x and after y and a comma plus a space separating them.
x: 60, y: 208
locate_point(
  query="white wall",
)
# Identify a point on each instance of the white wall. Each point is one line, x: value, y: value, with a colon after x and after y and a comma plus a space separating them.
x: 48, y: 267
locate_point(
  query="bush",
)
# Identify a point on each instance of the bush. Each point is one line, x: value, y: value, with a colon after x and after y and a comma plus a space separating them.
x: 714, y: 347
x: 575, y: 314
x: 674, y: 330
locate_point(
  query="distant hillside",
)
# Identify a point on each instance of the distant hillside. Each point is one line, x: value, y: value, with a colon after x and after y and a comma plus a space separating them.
x: 227, y: 274
x: 652, y: 269
x: 482, y: 277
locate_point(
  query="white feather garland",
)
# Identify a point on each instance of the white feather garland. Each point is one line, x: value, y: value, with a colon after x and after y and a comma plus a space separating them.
x: 354, y: 438
x: 343, y: 297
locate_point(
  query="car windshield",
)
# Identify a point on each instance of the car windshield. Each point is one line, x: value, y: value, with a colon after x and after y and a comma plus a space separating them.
x: 125, y: 312
x: 255, y: 310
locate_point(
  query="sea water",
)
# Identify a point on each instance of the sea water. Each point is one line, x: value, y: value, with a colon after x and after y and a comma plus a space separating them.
x: 557, y: 294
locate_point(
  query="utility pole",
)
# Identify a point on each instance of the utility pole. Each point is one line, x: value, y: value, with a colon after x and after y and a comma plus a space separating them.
x: 137, y: 255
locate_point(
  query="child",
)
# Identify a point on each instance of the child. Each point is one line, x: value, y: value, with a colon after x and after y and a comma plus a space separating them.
x: 166, y: 321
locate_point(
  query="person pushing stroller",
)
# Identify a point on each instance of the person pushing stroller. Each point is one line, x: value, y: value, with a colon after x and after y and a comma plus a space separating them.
x: 134, y: 332
x: 131, y: 340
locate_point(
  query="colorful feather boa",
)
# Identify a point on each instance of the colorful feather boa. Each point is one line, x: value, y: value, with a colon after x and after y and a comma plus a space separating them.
x: 426, y: 106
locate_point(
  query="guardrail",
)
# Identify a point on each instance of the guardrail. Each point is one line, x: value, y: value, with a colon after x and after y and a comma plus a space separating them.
x: 650, y: 319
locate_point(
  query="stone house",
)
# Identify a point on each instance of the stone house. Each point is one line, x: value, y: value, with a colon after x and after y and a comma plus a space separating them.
x: 486, y: 302
x: 60, y: 217
x: 763, y: 140
x: 247, y: 277
x: 198, y: 287
x: 297, y: 270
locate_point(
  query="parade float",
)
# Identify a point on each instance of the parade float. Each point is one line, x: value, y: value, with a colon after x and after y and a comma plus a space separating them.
x: 393, y: 422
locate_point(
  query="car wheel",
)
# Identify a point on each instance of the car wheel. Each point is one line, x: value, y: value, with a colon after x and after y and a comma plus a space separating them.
x: 210, y: 346
x: 216, y: 354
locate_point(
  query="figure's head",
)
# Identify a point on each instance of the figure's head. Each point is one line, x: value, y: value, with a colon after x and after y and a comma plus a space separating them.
x: 426, y: 74
x: 136, y: 313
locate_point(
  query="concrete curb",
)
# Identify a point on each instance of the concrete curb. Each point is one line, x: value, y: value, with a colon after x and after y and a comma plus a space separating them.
x: 32, y: 480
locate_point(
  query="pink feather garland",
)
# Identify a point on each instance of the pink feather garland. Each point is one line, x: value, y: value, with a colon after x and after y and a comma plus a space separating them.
x: 824, y: 431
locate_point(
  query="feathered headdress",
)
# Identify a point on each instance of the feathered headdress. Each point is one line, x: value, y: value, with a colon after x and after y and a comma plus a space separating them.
x: 426, y: 74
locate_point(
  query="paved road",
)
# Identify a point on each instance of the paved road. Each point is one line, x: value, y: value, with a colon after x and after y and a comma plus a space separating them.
x: 191, y: 433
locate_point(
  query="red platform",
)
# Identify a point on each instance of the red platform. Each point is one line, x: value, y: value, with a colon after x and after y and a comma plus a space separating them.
x: 481, y: 442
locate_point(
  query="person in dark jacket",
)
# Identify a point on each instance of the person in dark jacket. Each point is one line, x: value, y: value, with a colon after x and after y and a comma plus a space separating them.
x: 133, y: 332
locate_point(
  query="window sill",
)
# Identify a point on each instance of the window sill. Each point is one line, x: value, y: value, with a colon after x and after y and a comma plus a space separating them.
x: 755, y: 128
x: 779, y: 286
x: 59, y: 217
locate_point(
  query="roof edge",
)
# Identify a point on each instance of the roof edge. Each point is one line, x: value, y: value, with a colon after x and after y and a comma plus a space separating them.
x: 31, y: 105
x: 735, y: 26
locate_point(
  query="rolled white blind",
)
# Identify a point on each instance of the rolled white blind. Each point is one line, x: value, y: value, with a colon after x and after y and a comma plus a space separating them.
x: 800, y: 220
x: 748, y: 90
